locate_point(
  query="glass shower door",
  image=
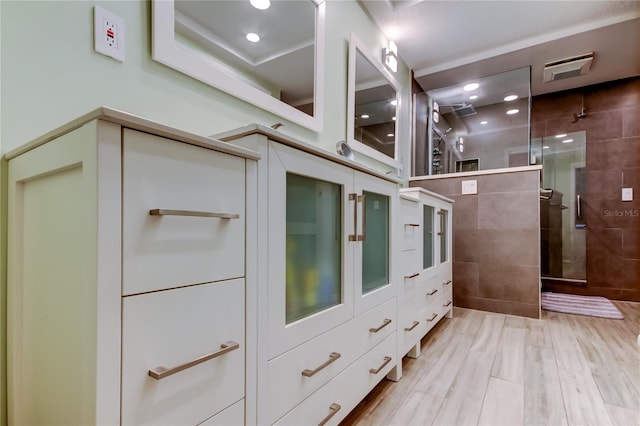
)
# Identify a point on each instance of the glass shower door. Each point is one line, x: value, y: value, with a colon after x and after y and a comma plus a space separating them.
x: 562, y: 210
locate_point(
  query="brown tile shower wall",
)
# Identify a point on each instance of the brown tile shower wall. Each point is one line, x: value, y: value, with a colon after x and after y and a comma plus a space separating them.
x: 612, y: 128
x: 496, y: 233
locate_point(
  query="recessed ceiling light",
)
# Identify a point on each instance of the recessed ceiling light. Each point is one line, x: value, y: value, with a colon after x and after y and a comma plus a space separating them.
x: 393, y: 118
x: 394, y: 102
x: 253, y: 37
x: 260, y: 4
x: 471, y: 86
x: 545, y: 147
x: 561, y: 135
x: 513, y: 111
x: 567, y: 141
x: 472, y: 97
x: 390, y: 135
x: 484, y: 122
x: 510, y: 98
x: 364, y: 116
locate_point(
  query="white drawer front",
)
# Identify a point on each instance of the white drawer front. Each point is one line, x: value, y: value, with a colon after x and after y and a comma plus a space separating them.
x: 410, y: 324
x: 287, y: 386
x: 232, y: 416
x: 338, y: 397
x: 169, y: 251
x: 410, y: 270
x: 174, y: 327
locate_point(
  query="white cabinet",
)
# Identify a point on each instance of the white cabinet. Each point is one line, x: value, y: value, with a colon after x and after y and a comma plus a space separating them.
x: 425, y: 285
x: 131, y: 258
x: 327, y: 290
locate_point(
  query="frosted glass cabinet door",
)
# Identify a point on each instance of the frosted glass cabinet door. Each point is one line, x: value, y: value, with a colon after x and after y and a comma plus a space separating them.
x: 310, y: 217
x: 313, y: 251
x: 427, y: 237
x: 443, y: 216
x: 374, y: 269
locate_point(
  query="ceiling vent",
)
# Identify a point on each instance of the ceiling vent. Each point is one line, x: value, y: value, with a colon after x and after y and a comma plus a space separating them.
x: 567, y: 67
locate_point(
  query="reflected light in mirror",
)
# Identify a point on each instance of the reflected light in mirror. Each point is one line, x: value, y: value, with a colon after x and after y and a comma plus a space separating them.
x: 260, y: 4
x: 471, y: 86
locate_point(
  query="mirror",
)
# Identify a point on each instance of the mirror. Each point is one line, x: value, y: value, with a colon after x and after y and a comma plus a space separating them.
x: 208, y: 40
x: 372, y: 106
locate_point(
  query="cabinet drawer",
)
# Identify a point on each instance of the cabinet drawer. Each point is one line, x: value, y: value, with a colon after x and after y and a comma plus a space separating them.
x: 287, y: 386
x: 410, y: 325
x: 232, y: 416
x: 410, y: 270
x: 170, y: 329
x: 338, y: 397
x: 166, y: 251
x: 411, y: 224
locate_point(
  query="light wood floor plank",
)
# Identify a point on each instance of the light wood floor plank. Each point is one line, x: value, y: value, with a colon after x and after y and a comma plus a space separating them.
x: 624, y: 416
x: 537, y: 335
x: 503, y: 404
x: 568, y: 352
x: 488, y: 336
x: 419, y: 409
x: 463, y: 402
x: 543, y: 396
x: 582, y: 399
x: 509, y: 360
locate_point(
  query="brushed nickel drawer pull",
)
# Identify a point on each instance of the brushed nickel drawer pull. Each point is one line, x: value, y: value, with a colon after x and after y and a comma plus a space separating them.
x: 162, y: 372
x: 332, y: 357
x: 333, y: 409
x: 169, y: 212
x: 432, y: 292
x: 446, y: 282
x: 411, y: 224
x: 385, y: 323
x: 354, y: 198
x: 386, y: 361
x: 414, y: 325
x: 448, y: 303
x: 432, y: 317
x: 408, y: 277
x: 363, y: 237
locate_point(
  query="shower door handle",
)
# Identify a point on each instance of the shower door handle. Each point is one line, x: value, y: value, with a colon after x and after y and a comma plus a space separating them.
x: 579, y: 206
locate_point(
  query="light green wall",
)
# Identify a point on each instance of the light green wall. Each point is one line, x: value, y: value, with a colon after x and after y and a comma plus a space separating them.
x: 50, y: 75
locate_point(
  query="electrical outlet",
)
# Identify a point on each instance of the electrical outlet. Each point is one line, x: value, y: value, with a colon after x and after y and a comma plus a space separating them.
x: 108, y: 33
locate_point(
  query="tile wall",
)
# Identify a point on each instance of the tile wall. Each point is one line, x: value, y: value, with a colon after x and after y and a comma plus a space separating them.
x: 496, y: 249
x: 612, y: 126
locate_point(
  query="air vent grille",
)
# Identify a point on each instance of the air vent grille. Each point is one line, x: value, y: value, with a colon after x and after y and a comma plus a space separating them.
x: 568, y: 67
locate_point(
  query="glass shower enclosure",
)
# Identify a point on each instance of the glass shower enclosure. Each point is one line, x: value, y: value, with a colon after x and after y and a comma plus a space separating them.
x: 562, y: 208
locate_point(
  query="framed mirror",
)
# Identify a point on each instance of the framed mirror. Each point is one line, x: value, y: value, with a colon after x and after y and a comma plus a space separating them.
x: 373, y: 102
x: 268, y: 57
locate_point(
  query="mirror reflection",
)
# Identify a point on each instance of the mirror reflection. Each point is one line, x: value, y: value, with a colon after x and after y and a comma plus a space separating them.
x: 476, y: 125
x: 272, y: 55
x: 373, y: 106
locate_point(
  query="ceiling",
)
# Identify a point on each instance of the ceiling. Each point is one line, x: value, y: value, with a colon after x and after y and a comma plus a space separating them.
x: 448, y: 42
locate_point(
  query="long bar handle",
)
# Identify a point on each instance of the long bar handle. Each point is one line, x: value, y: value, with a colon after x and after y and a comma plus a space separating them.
x: 411, y: 224
x: 447, y: 282
x: 162, y: 372
x: 414, y: 325
x: 432, y: 317
x: 441, y: 213
x: 354, y: 198
x: 333, y: 409
x: 386, y: 360
x: 579, y: 206
x: 332, y: 357
x: 363, y: 237
x: 385, y: 323
x: 169, y: 212
x: 448, y: 304
x: 432, y: 292
x: 408, y: 277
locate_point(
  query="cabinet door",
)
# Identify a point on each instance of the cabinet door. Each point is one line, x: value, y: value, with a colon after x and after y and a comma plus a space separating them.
x: 376, y: 207
x: 308, y: 243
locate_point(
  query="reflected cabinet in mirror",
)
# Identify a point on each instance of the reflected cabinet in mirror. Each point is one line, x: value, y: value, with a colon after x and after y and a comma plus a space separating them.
x: 372, y: 106
x: 267, y: 54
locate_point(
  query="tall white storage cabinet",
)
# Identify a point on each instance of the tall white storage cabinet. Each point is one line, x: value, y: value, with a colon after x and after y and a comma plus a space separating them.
x: 131, y: 276
x: 425, y: 292
x: 327, y: 294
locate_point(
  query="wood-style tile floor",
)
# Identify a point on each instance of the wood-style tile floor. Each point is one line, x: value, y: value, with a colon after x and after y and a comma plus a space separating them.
x: 481, y: 368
